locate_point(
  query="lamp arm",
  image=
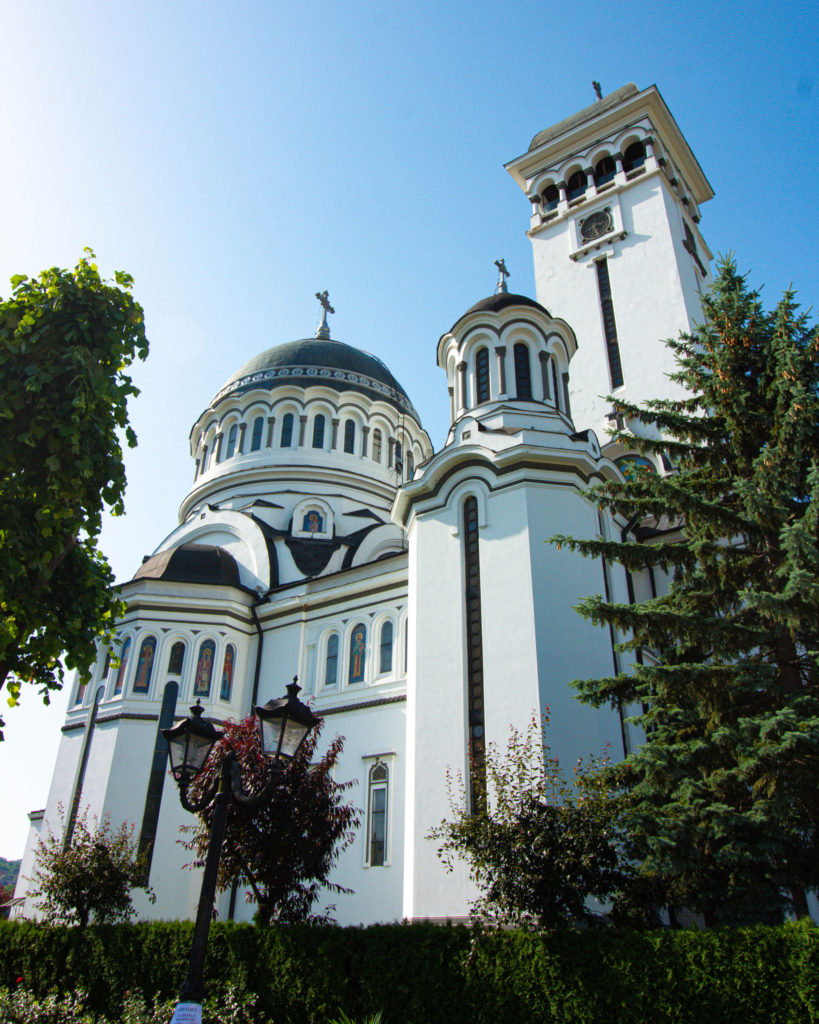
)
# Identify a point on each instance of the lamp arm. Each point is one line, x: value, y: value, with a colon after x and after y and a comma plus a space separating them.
x: 195, y: 806
x: 246, y: 799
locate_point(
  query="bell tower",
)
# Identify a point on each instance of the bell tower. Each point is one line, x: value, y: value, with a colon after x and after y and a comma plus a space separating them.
x: 616, y: 194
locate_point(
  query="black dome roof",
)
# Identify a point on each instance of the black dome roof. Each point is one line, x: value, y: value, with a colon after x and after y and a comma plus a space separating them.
x: 320, y: 361
x: 500, y: 300
x: 192, y: 563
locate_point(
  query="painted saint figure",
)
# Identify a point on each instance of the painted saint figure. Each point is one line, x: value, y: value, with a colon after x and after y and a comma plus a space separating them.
x: 313, y: 522
x: 358, y: 647
x: 204, y: 669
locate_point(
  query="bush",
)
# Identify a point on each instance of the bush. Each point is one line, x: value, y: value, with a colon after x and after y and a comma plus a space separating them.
x: 426, y: 974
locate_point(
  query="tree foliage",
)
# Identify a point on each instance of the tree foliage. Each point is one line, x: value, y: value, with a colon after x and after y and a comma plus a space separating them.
x: 91, y: 878
x: 539, y: 842
x: 285, y: 849
x: 66, y: 339
x: 724, y: 792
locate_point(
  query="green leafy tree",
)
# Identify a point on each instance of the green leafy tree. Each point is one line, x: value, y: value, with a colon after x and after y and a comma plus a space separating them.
x: 539, y: 842
x: 90, y: 878
x: 285, y: 849
x: 66, y: 339
x: 724, y: 792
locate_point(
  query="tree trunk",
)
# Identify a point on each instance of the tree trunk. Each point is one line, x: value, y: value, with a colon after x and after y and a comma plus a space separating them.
x: 800, y: 902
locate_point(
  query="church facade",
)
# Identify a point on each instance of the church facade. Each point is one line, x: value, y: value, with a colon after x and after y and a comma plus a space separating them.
x: 414, y: 592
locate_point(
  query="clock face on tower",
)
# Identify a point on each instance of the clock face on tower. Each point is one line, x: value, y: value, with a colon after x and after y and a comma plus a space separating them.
x: 596, y: 225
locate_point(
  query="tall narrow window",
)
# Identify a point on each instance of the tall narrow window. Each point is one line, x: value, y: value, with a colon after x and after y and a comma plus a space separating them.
x: 176, y: 659
x: 256, y: 439
x: 576, y: 185
x: 474, y: 654
x: 204, y: 669
x: 604, y: 171
x: 231, y: 445
x: 227, y: 672
x: 349, y: 436
x: 399, y: 459
x: 609, y: 323
x: 377, y: 812
x: 358, y: 651
x: 523, y: 371
x: 550, y: 197
x: 287, y: 430
x: 634, y: 157
x: 376, y: 446
x: 123, y: 665
x: 331, y: 661
x: 482, y: 375
x: 410, y: 466
x: 385, y: 649
x: 156, y: 780
x: 318, y: 432
x: 145, y: 665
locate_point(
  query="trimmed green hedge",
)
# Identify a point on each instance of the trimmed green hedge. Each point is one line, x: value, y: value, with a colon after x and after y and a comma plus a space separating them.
x: 426, y: 974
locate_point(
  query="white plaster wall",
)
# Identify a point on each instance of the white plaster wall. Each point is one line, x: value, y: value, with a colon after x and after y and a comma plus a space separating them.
x: 650, y: 302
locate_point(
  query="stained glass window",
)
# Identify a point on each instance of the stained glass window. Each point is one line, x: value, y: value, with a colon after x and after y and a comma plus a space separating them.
x: 358, y: 651
x: 145, y: 665
x: 227, y: 672
x: 204, y: 669
x: 632, y: 466
x: 123, y: 665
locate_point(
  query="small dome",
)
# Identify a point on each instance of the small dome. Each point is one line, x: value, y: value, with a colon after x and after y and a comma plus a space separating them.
x: 500, y: 300
x: 316, y: 361
x: 192, y: 563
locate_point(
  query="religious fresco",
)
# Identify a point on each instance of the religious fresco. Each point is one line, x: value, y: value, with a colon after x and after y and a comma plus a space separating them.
x: 145, y: 665
x: 176, y: 659
x: 631, y: 466
x: 123, y: 665
x: 227, y: 672
x: 358, y: 648
x: 204, y: 669
x: 313, y: 521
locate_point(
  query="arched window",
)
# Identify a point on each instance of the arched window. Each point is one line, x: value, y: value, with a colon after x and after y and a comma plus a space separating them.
x: 410, y: 466
x: 358, y: 651
x: 576, y: 185
x: 550, y: 197
x: 204, y: 669
x: 634, y: 156
x: 231, y: 445
x: 378, y: 784
x: 176, y: 659
x: 634, y: 466
x: 399, y: 459
x: 349, y: 436
x: 331, y: 661
x: 256, y: 439
x: 604, y: 171
x: 145, y: 665
x: 385, y: 649
x: 123, y: 665
x: 227, y: 672
x: 287, y: 430
x: 318, y: 432
x: 376, y: 446
x: 482, y: 374
x: 523, y: 371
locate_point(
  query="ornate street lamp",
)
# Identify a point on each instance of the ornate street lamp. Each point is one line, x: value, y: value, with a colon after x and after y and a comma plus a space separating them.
x: 284, y: 725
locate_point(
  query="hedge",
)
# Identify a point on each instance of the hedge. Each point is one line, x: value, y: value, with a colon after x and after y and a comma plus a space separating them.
x: 428, y: 974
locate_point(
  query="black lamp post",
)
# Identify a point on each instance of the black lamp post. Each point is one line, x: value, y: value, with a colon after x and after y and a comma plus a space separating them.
x: 284, y: 725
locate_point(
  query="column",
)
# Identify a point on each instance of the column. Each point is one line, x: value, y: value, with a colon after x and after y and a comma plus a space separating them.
x: 500, y: 352
x: 241, y: 445
x: 302, y: 428
x: 271, y: 420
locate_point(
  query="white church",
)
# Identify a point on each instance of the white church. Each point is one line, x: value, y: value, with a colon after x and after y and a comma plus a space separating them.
x: 414, y: 592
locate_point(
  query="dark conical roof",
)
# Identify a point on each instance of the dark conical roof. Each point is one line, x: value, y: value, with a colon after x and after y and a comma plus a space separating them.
x: 500, y: 300
x: 332, y: 364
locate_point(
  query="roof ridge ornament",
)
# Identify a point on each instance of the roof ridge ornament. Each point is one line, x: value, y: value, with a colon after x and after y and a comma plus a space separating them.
x: 503, y: 273
x: 323, y: 329
x: 598, y: 92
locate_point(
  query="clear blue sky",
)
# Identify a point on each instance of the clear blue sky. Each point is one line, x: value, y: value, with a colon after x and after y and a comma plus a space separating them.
x: 238, y: 157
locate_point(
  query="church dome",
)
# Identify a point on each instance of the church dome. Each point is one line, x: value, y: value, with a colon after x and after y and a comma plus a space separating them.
x: 331, y: 364
x: 501, y: 300
x: 192, y: 563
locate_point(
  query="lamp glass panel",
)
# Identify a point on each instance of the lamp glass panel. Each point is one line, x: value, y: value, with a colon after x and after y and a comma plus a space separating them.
x: 271, y: 730
x: 294, y: 733
x: 198, y: 750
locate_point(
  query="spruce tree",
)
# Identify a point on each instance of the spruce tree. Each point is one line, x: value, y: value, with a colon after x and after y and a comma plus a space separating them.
x: 723, y: 793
